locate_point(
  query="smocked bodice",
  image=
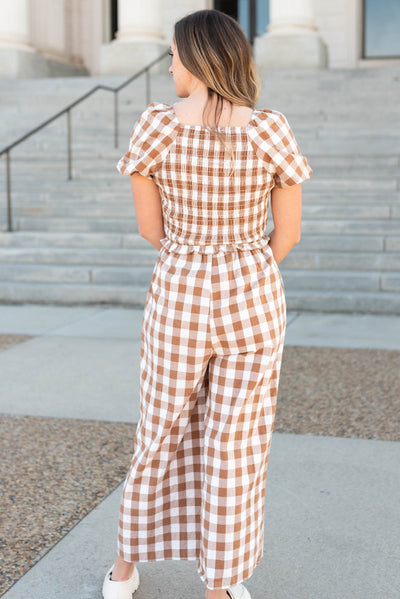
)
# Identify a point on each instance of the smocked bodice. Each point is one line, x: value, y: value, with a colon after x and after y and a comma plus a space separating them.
x: 202, y: 203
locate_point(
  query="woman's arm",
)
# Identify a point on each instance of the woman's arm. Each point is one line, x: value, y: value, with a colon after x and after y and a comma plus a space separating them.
x: 147, y: 201
x: 286, y: 212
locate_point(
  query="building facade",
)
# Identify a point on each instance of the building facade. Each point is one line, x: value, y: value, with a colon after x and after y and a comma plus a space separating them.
x: 44, y: 38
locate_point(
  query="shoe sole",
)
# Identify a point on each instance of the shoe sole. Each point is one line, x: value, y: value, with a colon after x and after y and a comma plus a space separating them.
x: 238, y: 591
x: 134, y: 580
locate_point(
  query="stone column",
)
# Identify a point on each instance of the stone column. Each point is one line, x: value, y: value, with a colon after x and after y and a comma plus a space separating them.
x: 51, y: 28
x: 14, y: 37
x: 14, y: 24
x: 139, y: 38
x: 32, y: 39
x: 292, y: 39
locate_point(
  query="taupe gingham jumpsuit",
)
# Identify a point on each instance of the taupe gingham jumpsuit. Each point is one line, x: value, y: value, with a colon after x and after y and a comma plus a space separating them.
x: 211, y: 344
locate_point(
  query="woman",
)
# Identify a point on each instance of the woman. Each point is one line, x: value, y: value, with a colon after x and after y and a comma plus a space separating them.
x: 215, y: 314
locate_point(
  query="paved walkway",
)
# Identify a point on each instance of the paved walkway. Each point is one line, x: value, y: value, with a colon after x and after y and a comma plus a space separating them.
x: 331, y: 516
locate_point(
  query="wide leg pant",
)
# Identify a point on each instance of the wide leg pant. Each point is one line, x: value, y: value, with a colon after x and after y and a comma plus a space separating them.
x: 212, y: 339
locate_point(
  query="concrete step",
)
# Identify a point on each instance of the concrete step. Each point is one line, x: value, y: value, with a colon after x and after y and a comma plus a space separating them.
x: 46, y: 273
x: 85, y: 168
x: 102, y: 124
x: 347, y: 82
x: 110, y: 225
x: 349, y: 301
x: 28, y: 163
x: 342, y: 243
x: 113, y: 180
x: 103, y: 210
x: 67, y: 239
x: 329, y: 242
x: 327, y: 172
x: 361, y: 146
x: 314, y: 114
x: 104, y: 155
x: 348, y: 141
x: 345, y: 243
x: 129, y: 225
x: 392, y: 244
x: 313, y: 139
x: 112, y: 183
x: 50, y: 99
x: 79, y: 241
x: 81, y: 156
x: 338, y: 280
x: 343, y: 261
x: 29, y: 239
x: 310, y: 120
x: 77, y: 195
x: 297, y: 259
x: 73, y: 294
x: 323, y: 101
x: 344, y: 211
x: 91, y: 119
x: 129, y: 296
x: 81, y: 256
x: 351, y: 227
x: 366, y: 197
x: 351, y: 81
x: 140, y: 274
x: 90, y: 133
x: 365, y: 162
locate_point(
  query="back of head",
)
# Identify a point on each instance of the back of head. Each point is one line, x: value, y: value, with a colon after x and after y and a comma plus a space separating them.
x: 213, y: 47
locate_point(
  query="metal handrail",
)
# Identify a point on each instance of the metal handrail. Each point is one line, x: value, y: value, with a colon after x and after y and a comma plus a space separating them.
x: 67, y: 111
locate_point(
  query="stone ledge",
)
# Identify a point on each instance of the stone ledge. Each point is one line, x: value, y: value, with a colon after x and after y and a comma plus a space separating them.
x: 303, y: 51
x: 16, y: 63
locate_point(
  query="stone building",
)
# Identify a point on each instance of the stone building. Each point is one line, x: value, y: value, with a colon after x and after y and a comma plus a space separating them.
x: 44, y: 38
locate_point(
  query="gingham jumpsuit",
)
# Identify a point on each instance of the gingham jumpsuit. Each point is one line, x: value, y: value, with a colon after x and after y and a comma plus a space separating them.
x: 211, y: 344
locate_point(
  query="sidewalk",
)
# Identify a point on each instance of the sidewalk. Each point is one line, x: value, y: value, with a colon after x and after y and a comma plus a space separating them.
x: 331, y: 516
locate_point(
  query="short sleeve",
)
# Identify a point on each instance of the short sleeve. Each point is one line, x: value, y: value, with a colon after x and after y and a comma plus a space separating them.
x: 277, y: 146
x: 149, y: 142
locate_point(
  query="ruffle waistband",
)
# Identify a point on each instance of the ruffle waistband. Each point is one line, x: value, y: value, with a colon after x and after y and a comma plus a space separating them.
x: 174, y: 246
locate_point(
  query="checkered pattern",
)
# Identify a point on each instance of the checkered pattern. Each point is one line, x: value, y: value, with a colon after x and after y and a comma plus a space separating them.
x: 276, y: 146
x: 150, y: 141
x: 201, y: 203
x: 211, y: 347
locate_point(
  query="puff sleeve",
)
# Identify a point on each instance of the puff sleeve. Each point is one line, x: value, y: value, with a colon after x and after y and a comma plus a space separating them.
x: 149, y: 142
x: 278, y: 148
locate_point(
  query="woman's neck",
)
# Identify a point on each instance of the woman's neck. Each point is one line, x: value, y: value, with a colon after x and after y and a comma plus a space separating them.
x: 190, y: 110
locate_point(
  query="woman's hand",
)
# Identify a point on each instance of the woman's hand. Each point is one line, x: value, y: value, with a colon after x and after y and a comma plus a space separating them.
x: 147, y: 201
x: 286, y: 212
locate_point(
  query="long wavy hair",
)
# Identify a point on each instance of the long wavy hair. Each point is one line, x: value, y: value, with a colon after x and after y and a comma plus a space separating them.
x: 213, y: 47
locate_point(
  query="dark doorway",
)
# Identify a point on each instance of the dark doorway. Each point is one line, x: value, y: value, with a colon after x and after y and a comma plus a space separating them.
x: 114, y: 18
x: 229, y: 7
x: 253, y: 15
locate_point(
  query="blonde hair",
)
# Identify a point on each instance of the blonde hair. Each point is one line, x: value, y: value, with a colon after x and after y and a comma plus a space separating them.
x: 213, y: 47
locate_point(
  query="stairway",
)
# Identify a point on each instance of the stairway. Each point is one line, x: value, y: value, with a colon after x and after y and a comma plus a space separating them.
x: 76, y: 242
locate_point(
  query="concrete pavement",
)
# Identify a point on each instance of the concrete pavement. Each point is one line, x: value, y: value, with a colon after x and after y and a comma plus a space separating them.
x: 82, y: 351
x: 331, y: 515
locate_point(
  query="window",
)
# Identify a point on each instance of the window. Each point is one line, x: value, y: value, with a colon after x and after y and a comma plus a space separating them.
x: 381, y: 38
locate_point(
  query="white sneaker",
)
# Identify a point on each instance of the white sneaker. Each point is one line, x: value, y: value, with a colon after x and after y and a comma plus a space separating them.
x: 238, y: 591
x: 120, y: 589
